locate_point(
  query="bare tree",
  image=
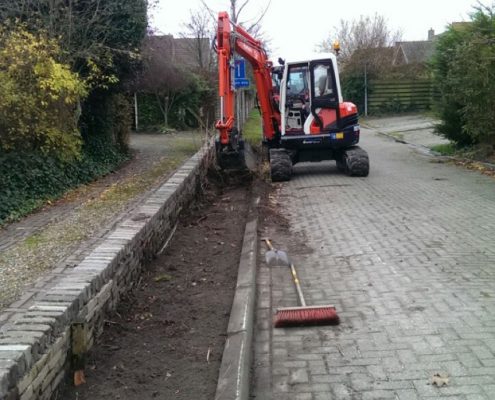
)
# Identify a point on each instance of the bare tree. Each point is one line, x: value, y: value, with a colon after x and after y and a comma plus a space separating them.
x: 161, y: 76
x: 252, y: 25
x: 200, y: 29
x: 357, y: 37
x: 94, y: 31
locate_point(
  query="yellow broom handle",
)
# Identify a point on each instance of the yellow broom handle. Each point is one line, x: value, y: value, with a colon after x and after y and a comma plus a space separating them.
x: 298, y: 285
x: 269, y: 244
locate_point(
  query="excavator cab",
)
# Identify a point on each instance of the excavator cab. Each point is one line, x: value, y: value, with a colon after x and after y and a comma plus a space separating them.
x: 296, y: 99
x: 316, y: 124
x: 311, y: 86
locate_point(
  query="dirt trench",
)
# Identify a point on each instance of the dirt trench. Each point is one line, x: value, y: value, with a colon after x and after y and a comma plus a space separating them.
x: 166, y: 339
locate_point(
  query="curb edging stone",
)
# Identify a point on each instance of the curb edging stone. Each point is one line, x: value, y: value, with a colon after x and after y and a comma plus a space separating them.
x: 235, y: 370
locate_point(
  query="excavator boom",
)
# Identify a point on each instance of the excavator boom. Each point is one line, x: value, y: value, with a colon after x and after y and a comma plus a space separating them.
x: 233, y: 39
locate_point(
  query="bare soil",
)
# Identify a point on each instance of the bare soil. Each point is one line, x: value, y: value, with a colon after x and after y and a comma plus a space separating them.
x: 166, y: 339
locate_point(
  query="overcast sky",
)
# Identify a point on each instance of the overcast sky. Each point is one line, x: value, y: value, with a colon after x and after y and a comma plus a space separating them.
x: 298, y: 26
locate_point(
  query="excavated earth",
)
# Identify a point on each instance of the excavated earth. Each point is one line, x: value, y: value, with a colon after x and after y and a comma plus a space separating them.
x: 166, y: 339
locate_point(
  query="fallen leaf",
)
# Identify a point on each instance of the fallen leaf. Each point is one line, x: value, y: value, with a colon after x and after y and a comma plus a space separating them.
x: 162, y: 278
x: 79, y: 378
x: 440, y: 379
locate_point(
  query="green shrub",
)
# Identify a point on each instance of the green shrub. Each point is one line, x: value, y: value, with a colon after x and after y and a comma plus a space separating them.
x: 446, y: 149
x: 28, y: 179
x: 252, y: 130
x: 149, y: 110
x: 160, y: 106
x: 40, y: 96
x: 105, y: 124
x: 464, y: 73
x: 56, y: 132
x: 353, y: 89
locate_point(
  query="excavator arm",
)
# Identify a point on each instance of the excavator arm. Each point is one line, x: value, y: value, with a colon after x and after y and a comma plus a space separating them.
x: 232, y: 39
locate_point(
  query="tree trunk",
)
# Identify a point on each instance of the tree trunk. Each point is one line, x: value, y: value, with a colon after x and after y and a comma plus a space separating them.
x: 163, y: 108
x: 166, y: 108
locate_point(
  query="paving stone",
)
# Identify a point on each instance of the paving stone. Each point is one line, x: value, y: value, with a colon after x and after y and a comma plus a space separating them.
x: 298, y: 376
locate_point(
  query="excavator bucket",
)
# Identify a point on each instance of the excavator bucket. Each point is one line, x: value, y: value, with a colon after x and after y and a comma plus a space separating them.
x: 231, y: 156
x: 230, y: 159
x: 239, y: 159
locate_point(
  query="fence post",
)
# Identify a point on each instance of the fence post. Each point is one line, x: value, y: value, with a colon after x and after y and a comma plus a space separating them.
x: 136, y: 112
x: 365, y: 90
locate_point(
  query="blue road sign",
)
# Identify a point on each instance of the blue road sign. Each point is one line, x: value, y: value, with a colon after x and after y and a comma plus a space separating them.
x: 240, y: 68
x: 240, y: 83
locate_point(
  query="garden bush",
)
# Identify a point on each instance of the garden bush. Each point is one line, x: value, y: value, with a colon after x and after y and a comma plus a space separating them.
x: 29, y: 179
x: 464, y: 73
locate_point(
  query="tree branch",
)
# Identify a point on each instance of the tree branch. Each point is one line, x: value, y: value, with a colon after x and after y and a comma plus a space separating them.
x: 261, y: 17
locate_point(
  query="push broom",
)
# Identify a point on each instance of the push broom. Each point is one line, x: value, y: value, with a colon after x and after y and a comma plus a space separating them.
x: 303, y: 315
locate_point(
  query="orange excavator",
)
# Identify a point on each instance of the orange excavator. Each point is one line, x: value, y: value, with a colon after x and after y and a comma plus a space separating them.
x: 303, y: 115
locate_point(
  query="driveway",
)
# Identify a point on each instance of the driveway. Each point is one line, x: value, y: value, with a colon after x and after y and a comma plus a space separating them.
x: 406, y: 256
x: 415, y: 129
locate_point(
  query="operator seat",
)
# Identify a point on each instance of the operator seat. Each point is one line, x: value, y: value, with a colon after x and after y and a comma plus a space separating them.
x: 322, y: 85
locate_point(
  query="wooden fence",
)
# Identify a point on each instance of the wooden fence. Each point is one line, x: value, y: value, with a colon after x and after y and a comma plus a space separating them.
x: 389, y: 96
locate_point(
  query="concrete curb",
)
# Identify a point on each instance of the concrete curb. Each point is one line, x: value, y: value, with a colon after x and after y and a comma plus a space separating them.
x: 427, y: 151
x: 235, y: 371
x: 422, y: 148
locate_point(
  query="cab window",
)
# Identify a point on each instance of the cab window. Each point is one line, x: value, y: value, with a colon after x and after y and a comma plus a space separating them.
x: 297, y: 82
x: 323, y: 82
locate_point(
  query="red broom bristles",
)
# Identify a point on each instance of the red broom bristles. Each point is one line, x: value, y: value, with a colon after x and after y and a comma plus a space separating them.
x: 306, y: 316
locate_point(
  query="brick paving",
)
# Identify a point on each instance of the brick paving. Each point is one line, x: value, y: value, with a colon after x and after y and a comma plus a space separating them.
x: 407, y: 256
x: 416, y: 128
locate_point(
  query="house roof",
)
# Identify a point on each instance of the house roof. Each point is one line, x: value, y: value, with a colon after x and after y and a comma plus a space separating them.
x: 188, y: 50
x: 415, y: 52
x: 374, y: 57
x: 385, y: 53
x: 182, y: 51
x: 461, y: 25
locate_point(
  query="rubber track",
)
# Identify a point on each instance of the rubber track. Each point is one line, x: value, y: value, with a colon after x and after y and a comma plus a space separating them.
x: 280, y: 165
x: 341, y: 165
x: 358, y: 163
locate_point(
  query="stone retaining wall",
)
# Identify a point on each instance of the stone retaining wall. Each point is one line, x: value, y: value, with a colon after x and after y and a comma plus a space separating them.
x: 35, y: 347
